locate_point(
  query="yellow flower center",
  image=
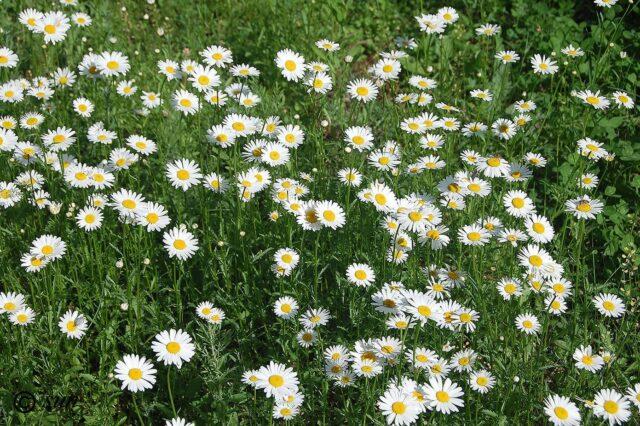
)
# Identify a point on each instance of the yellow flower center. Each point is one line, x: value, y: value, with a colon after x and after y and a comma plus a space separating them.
x: 276, y: 380
x: 442, y: 396
x: 610, y: 407
x: 493, y: 161
x: 135, y: 374
x: 129, y: 204
x: 583, y: 207
x: 290, y: 65
x: 474, y: 236
x: 535, y: 260
x: 538, y: 228
x: 329, y: 216
x: 362, y: 91
x: 179, y: 244
x: 173, y: 347
x: 183, y: 174
x: 399, y: 407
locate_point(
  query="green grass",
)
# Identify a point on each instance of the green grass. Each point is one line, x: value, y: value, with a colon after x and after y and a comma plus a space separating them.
x: 237, y: 240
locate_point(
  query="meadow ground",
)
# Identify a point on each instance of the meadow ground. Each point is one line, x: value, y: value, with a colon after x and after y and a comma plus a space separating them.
x: 327, y: 212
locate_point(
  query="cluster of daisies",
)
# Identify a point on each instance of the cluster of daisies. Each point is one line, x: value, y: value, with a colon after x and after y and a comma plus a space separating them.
x: 269, y: 151
x: 73, y: 324
x: 280, y: 383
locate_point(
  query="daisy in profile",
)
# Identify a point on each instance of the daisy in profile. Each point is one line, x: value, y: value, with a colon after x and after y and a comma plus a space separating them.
x: 81, y: 19
x: 215, y: 183
x: 173, y: 347
x: 481, y: 381
x: 561, y: 411
x: 609, y: 405
x: 591, y: 149
x: 285, y: 411
x: 584, y: 207
x: 315, y: 317
x: 89, y: 218
x: 291, y: 64
x: 22, y: 317
x: 507, y: 56
x: 73, y: 324
x: 623, y: 100
x: 586, y: 360
x: 112, y: 64
x: 33, y: 263
x: 609, y: 305
x: 327, y: 45
x: 633, y: 394
x: 126, y: 202
x: 483, y: 95
x: 8, y: 59
x: 399, y: 407
x: 444, y: 396
x: 217, y: 56
x: 180, y: 243
x: 11, y: 302
x: 431, y: 24
x: 186, y: 102
x: 136, y: 373
x: 543, y: 65
x: 30, y: 120
x: 152, y: 216
x: 30, y: 18
x: 285, y: 307
x: 593, y: 99
x: 178, y: 421
x: 244, y: 71
x: 360, y: 274
x: 572, y: 52
x: 141, y: 145
x: 59, y: 139
x: 493, y: 166
x: 183, y: 173
x: 49, y: 247
x: 277, y: 380
x: 527, y: 323
x: 363, y: 90
x: 488, y: 30
x: 216, y: 316
x: 473, y: 235
x: 10, y: 194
